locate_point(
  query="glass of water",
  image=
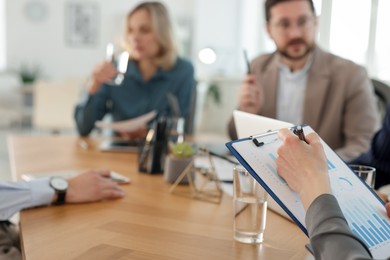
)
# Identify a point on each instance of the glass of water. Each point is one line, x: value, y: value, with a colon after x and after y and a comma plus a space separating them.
x: 120, y: 60
x: 250, y: 207
x: 366, y: 173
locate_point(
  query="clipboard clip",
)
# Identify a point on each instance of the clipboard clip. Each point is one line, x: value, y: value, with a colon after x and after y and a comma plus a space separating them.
x: 262, y: 143
x: 270, y: 132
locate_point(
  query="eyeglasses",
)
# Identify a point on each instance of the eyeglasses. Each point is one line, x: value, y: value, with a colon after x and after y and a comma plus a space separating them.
x: 303, y: 23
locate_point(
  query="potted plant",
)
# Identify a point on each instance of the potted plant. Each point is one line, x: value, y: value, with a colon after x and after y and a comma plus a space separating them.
x: 178, y: 159
x: 29, y: 74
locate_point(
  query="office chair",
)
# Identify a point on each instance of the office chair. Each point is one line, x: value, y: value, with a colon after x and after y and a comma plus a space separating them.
x: 54, y: 106
x: 382, y: 92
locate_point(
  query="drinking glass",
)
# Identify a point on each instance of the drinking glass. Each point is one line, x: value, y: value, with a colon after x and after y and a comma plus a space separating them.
x: 250, y: 207
x: 120, y: 60
x: 366, y: 173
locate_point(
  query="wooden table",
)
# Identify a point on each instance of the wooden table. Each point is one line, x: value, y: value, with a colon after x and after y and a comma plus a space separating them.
x: 149, y: 223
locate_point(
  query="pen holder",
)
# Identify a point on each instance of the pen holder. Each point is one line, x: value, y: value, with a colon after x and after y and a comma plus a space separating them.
x: 152, y: 155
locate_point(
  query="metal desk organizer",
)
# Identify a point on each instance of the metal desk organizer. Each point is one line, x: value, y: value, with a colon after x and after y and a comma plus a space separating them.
x: 204, y: 183
x: 152, y: 156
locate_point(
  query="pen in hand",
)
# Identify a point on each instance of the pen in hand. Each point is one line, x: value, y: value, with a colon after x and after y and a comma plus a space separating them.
x: 248, y: 65
x: 299, y: 132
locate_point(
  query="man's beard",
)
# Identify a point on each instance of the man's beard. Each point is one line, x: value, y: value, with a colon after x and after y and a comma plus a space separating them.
x: 285, y: 54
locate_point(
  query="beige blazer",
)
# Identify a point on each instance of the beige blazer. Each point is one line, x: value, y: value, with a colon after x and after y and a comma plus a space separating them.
x: 339, y: 101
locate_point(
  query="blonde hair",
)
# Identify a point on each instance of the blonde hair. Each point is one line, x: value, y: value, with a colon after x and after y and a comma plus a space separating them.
x: 162, y: 28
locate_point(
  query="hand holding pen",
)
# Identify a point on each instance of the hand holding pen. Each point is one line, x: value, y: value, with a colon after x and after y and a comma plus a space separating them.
x: 299, y: 132
x: 303, y: 165
x: 250, y: 98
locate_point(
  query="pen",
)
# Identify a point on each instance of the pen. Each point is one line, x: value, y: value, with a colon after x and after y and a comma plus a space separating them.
x: 217, y: 155
x: 227, y: 181
x: 83, y: 144
x: 248, y: 65
x: 299, y: 132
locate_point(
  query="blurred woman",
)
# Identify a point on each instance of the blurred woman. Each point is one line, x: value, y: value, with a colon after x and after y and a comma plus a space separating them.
x: 154, y: 70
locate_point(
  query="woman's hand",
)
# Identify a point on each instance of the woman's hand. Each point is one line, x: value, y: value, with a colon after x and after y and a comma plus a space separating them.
x: 140, y: 133
x: 303, y: 166
x: 102, y: 73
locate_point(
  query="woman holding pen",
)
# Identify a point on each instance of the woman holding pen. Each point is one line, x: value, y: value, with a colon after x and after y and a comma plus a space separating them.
x: 328, y: 230
x: 154, y: 70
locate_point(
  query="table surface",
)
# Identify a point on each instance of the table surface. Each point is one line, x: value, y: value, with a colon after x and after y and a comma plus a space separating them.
x: 149, y: 223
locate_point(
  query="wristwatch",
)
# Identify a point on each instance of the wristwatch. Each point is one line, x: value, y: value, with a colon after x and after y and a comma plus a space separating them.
x: 60, y: 186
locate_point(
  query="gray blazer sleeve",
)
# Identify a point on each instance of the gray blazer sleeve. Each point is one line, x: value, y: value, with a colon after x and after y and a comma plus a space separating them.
x: 330, y: 235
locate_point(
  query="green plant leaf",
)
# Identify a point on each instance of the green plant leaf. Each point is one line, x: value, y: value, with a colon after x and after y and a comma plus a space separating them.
x: 181, y: 150
x: 214, y: 93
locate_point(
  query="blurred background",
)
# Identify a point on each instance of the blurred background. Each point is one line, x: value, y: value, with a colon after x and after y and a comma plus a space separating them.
x: 48, y: 49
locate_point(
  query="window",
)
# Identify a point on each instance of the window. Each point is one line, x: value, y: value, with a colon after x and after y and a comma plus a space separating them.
x: 381, y: 63
x: 349, y: 29
x: 317, y: 6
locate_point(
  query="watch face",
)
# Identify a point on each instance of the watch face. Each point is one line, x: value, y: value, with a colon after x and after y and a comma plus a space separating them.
x: 59, y: 184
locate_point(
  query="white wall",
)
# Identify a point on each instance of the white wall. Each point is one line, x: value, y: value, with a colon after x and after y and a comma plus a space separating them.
x: 216, y: 27
x: 201, y: 23
x: 226, y: 25
x: 43, y: 42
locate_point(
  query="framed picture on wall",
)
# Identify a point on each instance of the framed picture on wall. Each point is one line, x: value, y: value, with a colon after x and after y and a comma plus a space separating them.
x: 82, y: 24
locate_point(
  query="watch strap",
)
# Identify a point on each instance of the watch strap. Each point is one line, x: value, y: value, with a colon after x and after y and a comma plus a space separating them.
x: 60, y: 197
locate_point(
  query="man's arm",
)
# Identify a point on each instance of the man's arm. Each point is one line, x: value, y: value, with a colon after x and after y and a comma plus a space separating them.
x: 251, y: 99
x: 89, y: 186
x: 15, y: 196
x: 361, y: 119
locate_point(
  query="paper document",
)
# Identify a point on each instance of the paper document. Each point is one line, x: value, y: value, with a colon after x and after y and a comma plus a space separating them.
x: 248, y: 124
x: 128, y: 125
x: 71, y: 173
x: 362, y: 208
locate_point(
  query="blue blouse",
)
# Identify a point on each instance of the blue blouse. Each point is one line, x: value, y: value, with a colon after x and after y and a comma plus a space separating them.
x: 135, y: 96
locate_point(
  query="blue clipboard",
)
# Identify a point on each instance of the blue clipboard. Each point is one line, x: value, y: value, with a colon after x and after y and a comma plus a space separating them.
x: 361, y: 206
x: 246, y: 165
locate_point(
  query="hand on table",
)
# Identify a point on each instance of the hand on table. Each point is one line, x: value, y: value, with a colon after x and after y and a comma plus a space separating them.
x: 92, y: 185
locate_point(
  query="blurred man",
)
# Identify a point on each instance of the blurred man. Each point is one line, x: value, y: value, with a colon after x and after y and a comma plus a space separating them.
x: 300, y: 83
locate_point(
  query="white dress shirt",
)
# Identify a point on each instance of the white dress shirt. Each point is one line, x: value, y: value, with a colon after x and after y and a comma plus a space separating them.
x: 291, y: 93
x: 15, y: 196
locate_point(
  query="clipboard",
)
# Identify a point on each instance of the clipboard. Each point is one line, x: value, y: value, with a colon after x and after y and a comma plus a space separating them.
x: 362, y: 208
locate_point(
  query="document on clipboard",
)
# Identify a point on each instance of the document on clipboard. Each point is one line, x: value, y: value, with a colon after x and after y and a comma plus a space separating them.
x: 363, y: 209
